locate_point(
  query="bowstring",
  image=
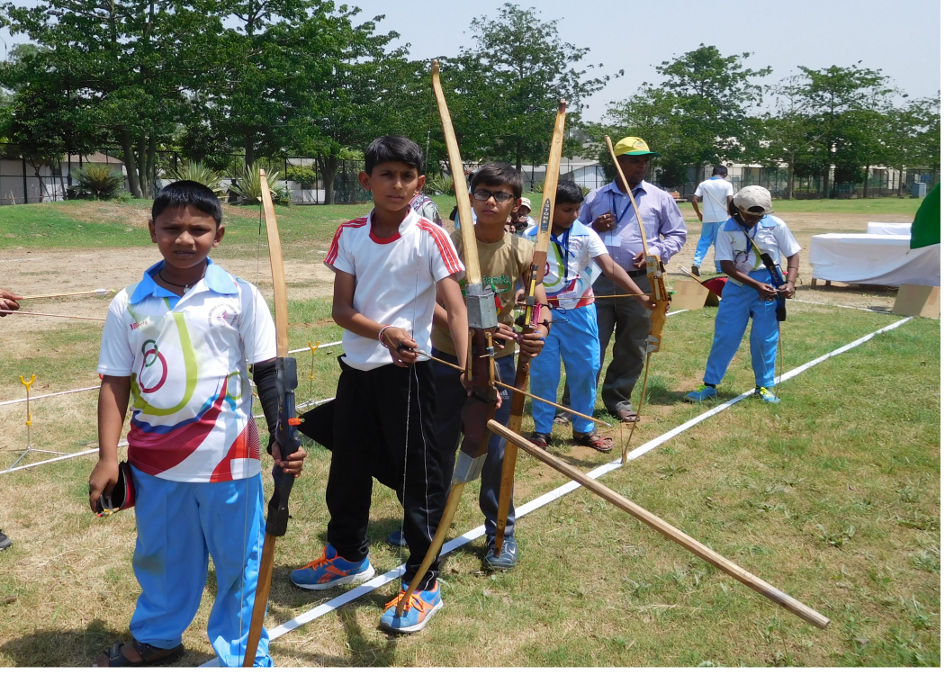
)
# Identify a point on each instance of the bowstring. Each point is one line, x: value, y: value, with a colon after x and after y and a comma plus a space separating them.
x: 246, y: 495
x: 411, y: 376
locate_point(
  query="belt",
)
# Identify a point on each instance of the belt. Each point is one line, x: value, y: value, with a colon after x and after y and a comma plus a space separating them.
x: 583, y: 301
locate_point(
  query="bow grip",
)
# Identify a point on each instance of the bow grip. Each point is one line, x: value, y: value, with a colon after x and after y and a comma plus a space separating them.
x: 277, y: 516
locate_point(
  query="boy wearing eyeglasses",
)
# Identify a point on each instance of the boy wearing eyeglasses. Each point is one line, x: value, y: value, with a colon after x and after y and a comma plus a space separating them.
x: 744, y: 243
x: 505, y: 261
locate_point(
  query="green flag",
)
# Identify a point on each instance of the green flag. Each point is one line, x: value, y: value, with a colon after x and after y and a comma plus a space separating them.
x: 927, y: 225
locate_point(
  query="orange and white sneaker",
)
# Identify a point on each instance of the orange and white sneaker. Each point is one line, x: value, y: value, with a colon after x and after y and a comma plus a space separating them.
x: 419, y: 609
x: 331, y: 570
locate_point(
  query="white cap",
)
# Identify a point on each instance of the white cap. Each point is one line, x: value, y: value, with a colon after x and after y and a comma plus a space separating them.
x: 753, y: 198
x: 526, y: 202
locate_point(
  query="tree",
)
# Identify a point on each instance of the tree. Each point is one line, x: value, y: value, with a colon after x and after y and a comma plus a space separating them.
x: 912, y: 136
x: 785, y: 135
x: 504, y: 91
x: 697, y: 114
x: 842, y: 107
x: 106, y: 70
x: 293, y: 77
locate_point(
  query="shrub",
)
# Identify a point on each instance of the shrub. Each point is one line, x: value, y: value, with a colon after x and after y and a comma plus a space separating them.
x: 98, y: 181
x: 248, y: 186
x: 200, y: 173
x: 439, y: 185
x: 306, y: 175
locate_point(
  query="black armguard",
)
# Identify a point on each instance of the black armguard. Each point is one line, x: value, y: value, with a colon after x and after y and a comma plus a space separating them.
x: 266, y: 379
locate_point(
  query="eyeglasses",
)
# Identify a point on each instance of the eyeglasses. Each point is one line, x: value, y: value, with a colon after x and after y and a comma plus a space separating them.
x: 500, y: 197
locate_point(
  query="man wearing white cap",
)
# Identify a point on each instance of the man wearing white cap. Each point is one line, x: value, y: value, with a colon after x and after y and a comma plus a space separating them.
x: 748, y: 243
x: 609, y: 211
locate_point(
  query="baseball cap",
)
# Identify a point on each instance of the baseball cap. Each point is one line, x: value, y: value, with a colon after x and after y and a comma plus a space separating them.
x: 753, y: 198
x: 631, y: 145
x: 526, y: 202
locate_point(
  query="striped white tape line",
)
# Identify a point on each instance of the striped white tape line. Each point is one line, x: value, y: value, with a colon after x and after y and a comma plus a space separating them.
x: 551, y: 496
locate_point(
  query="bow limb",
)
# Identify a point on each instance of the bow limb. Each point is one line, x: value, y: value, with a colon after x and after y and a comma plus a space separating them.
x: 278, y: 512
x: 658, y: 294
x: 532, y: 312
x: 480, y: 374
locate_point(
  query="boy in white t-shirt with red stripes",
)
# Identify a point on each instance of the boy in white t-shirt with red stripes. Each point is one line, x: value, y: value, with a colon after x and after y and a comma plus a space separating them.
x: 390, y: 267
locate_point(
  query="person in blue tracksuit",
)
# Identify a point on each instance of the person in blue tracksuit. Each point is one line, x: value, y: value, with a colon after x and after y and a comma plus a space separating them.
x: 575, y: 258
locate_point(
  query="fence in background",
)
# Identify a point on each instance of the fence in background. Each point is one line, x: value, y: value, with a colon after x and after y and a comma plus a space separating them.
x: 22, y: 182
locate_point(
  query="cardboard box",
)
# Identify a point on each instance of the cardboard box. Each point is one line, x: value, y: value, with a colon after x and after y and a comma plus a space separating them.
x: 914, y: 300
x: 689, y: 294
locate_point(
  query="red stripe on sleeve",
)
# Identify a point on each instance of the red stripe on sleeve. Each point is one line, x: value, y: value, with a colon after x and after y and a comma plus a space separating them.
x: 333, y: 249
x: 447, y: 252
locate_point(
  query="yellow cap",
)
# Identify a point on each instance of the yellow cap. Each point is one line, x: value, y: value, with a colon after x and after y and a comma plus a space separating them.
x: 631, y: 145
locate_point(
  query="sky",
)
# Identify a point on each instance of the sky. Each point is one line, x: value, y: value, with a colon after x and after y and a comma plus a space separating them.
x: 899, y: 37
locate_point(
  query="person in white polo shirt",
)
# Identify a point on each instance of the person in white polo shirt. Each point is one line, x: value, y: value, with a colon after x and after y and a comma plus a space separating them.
x: 716, y: 194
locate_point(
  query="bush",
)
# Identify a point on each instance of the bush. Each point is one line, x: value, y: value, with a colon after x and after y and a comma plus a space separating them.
x: 439, y: 185
x: 98, y: 181
x: 248, y: 186
x: 306, y: 175
x: 202, y: 174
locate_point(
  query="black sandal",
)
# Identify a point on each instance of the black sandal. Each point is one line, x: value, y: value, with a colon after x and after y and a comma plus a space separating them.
x: 150, y: 655
x: 540, y: 439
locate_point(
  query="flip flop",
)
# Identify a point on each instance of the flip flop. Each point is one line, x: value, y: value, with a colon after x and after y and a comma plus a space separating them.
x: 540, y: 439
x: 594, y: 440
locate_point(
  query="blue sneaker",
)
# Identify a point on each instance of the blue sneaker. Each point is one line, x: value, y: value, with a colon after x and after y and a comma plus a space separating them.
x: 331, y: 570
x: 703, y: 393
x: 507, y: 558
x: 766, y: 395
x: 420, y: 608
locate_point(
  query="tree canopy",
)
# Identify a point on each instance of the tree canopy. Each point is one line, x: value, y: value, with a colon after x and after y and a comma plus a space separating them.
x: 215, y: 80
x: 509, y: 83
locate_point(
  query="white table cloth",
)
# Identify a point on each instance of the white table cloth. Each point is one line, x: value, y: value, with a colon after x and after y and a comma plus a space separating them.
x: 883, y: 260
x: 889, y: 228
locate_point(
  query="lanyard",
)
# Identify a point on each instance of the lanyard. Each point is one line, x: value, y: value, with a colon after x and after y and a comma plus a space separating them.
x: 613, y: 207
x: 563, y: 251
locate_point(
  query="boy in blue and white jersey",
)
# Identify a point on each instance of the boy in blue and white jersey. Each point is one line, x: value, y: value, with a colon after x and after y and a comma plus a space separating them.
x: 576, y: 257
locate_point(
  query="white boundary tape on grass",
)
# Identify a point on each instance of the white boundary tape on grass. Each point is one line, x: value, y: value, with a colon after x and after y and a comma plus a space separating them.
x: 57, y: 459
x: 548, y: 497
x: 828, y: 304
x: 98, y: 386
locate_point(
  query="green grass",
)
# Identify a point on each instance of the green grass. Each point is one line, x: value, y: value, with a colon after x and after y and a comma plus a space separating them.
x: 81, y: 224
x: 833, y: 497
x: 89, y: 225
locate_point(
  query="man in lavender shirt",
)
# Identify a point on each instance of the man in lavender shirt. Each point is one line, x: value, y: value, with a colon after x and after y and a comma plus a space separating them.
x: 609, y: 211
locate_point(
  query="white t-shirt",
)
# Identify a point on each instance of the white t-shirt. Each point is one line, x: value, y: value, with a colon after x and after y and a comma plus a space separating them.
x: 771, y: 235
x: 191, y: 399
x: 570, y: 270
x: 395, y: 280
x: 714, y: 193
